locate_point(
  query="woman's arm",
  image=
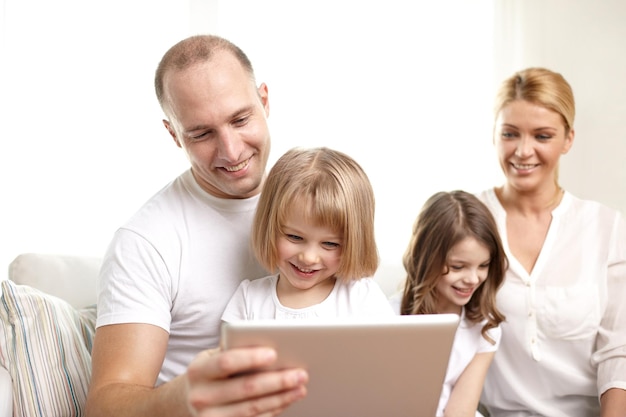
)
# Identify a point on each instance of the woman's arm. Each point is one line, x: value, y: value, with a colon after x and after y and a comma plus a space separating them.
x: 466, y: 392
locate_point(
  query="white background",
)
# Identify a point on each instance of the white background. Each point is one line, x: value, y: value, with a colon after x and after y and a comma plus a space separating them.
x: 404, y: 87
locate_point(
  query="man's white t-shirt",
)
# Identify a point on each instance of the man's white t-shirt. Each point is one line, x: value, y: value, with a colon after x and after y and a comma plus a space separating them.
x: 175, y: 264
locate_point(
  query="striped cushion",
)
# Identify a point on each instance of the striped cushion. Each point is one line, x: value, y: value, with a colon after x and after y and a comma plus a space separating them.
x: 45, y: 344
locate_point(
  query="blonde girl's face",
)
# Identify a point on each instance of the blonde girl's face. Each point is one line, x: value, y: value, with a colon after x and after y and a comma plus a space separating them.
x: 468, y: 266
x: 530, y: 140
x: 309, y: 256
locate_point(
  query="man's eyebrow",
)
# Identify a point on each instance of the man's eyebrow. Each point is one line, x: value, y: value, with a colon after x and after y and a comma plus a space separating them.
x: 235, y: 115
x: 238, y: 113
x: 197, y: 127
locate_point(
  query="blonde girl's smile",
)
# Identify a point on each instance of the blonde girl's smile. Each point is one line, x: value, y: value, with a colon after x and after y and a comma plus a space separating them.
x: 308, y: 253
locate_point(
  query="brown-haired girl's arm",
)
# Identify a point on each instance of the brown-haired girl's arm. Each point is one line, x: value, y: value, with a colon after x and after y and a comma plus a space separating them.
x: 613, y: 403
x: 466, y: 392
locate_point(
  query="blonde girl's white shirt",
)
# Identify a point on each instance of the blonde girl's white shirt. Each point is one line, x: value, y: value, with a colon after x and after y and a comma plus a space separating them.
x: 564, y: 338
x: 257, y: 299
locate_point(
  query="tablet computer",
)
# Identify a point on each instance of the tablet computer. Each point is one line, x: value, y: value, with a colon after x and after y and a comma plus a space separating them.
x: 392, y: 367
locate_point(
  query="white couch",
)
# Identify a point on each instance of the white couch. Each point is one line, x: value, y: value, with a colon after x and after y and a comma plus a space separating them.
x: 54, y: 300
x: 48, y: 298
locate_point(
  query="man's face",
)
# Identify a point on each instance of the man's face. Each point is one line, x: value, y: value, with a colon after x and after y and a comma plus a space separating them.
x: 219, y: 118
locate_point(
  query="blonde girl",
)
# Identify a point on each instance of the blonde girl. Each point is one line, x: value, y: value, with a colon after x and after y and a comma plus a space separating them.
x: 314, y: 228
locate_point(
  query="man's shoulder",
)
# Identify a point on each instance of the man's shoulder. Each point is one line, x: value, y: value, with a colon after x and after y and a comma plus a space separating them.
x: 169, y: 200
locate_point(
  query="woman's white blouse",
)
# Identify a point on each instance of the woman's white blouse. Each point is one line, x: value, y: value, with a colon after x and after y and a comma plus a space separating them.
x: 564, y: 338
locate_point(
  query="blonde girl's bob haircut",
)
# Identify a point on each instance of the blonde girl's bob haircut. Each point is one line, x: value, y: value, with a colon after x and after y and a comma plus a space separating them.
x: 334, y: 192
x: 445, y: 220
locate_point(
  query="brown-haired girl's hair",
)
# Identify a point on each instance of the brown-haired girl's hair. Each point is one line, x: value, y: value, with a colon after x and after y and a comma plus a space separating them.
x: 446, y: 219
x: 334, y: 191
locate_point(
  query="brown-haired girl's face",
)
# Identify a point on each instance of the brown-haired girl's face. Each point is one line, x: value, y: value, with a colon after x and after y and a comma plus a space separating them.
x: 467, y: 266
x: 530, y: 140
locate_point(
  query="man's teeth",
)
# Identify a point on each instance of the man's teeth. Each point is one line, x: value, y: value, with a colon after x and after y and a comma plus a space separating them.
x: 237, y: 167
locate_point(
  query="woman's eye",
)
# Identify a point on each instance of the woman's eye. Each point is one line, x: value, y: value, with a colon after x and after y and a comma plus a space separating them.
x: 507, y: 135
x: 543, y: 137
x: 456, y: 267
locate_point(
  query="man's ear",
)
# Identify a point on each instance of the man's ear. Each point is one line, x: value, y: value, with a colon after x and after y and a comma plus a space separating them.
x: 569, y: 141
x: 170, y: 129
x: 263, y: 95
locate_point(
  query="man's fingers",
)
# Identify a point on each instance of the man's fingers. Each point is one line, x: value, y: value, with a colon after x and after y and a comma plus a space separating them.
x: 215, y: 364
x: 229, y: 380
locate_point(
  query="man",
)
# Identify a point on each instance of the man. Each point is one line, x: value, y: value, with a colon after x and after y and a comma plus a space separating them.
x: 169, y: 272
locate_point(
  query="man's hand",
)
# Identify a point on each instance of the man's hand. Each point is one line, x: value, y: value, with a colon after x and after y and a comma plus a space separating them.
x: 224, y: 383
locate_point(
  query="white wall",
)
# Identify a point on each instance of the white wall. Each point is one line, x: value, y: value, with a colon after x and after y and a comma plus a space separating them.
x: 404, y: 87
x: 82, y: 141
x: 586, y: 42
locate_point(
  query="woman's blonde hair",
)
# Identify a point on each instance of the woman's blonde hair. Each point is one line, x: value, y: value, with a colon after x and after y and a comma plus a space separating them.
x: 335, y: 193
x: 539, y: 86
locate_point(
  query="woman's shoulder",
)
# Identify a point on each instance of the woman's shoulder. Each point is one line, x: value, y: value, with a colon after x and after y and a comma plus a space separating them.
x: 489, y: 198
x: 585, y: 208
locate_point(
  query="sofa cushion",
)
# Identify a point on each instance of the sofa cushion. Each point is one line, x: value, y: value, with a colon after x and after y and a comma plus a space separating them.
x: 45, y: 344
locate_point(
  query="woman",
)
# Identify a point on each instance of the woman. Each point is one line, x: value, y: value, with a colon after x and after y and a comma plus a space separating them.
x: 563, y: 347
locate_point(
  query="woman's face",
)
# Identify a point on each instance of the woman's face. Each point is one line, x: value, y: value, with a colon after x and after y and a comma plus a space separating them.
x: 529, y: 140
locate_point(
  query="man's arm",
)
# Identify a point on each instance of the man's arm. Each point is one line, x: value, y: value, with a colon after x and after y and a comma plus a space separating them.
x: 126, y: 361
x: 127, y: 358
